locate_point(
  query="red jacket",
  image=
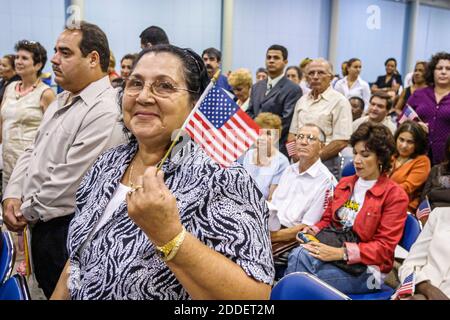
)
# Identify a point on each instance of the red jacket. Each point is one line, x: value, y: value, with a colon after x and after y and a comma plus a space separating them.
x: 379, y: 224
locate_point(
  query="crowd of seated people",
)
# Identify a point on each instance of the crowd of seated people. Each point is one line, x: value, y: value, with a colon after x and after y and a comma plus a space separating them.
x: 284, y: 207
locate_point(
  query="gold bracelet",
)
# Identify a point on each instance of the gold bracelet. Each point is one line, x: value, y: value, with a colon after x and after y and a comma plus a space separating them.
x: 168, y: 251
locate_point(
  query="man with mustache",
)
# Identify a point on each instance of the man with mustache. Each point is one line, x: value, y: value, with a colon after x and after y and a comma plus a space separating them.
x: 212, y: 58
x: 80, y: 124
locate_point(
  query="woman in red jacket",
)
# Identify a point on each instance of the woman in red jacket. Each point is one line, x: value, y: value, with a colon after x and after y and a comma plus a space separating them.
x: 363, y: 223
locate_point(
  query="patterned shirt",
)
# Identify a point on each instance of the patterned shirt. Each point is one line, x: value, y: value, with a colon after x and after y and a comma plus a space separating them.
x: 221, y: 207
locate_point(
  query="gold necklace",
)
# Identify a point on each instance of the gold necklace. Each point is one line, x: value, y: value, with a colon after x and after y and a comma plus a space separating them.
x: 130, y: 175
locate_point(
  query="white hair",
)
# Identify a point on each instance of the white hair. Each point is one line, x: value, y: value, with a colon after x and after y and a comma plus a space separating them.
x: 324, y: 61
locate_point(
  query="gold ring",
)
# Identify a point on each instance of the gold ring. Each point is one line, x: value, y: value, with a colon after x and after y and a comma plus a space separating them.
x: 134, y: 189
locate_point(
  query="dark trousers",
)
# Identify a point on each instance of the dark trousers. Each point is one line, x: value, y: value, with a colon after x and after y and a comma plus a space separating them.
x: 49, y: 251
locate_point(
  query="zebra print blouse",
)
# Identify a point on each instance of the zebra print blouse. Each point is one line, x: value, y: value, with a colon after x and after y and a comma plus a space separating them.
x: 221, y: 207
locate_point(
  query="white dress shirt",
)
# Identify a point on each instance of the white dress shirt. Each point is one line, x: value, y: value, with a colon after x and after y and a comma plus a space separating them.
x: 360, y: 88
x: 271, y: 83
x: 300, y: 197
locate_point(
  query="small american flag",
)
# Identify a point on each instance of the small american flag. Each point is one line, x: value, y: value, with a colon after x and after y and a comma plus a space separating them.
x: 328, y: 196
x: 423, y: 210
x: 221, y: 128
x: 291, y: 149
x: 406, y: 289
x: 408, y: 114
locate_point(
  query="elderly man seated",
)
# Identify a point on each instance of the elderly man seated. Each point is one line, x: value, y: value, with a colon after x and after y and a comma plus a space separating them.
x: 303, y: 191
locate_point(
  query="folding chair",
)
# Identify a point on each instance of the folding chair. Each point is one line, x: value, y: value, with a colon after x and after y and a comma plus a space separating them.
x: 304, y: 286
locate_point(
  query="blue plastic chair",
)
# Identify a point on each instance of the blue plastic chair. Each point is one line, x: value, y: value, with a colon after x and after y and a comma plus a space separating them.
x: 410, y: 234
x: 6, y: 256
x: 304, y: 286
x: 15, y: 288
x: 348, y: 170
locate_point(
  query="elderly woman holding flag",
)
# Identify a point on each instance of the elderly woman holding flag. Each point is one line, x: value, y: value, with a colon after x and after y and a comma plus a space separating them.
x: 183, y: 227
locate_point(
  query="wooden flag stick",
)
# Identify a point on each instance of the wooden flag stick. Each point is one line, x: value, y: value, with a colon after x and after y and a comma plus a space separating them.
x: 197, y: 105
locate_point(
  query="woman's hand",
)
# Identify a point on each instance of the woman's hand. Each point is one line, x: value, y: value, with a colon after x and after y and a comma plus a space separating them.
x: 424, y: 126
x: 153, y: 207
x: 324, y: 252
x: 307, y: 229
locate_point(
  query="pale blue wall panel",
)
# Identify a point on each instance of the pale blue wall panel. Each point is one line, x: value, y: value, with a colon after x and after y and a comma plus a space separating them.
x: 302, y: 26
x: 195, y: 23
x: 373, y: 47
x: 40, y: 21
x: 433, y: 33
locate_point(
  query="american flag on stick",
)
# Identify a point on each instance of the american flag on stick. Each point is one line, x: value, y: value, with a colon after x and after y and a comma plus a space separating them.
x: 408, y: 114
x: 406, y: 289
x: 424, y: 209
x: 291, y: 149
x: 221, y: 128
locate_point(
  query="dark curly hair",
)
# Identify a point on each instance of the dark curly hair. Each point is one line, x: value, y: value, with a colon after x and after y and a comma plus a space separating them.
x: 36, y: 49
x: 419, y: 135
x: 429, y: 76
x: 378, y: 139
x: 194, y: 70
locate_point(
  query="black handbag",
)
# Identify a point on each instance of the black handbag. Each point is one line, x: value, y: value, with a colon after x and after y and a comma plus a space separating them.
x: 336, y: 238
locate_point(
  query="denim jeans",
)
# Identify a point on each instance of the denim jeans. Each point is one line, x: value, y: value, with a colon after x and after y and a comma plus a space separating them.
x: 301, y: 261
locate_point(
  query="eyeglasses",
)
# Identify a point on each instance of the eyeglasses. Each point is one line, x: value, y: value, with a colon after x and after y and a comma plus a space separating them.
x: 319, y: 73
x: 162, y: 89
x: 309, y: 138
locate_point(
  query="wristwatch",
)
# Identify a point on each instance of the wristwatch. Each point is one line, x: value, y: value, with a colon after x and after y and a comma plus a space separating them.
x: 168, y: 251
x: 345, y: 257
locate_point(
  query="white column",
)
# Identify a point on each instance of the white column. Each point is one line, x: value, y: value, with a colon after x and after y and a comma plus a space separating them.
x: 334, y: 33
x: 227, y: 35
x: 411, y: 44
x: 74, y: 9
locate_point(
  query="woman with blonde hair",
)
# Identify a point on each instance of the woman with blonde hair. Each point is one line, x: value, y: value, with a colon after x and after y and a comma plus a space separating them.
x: 241, y: 82
x: 266, y: 163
